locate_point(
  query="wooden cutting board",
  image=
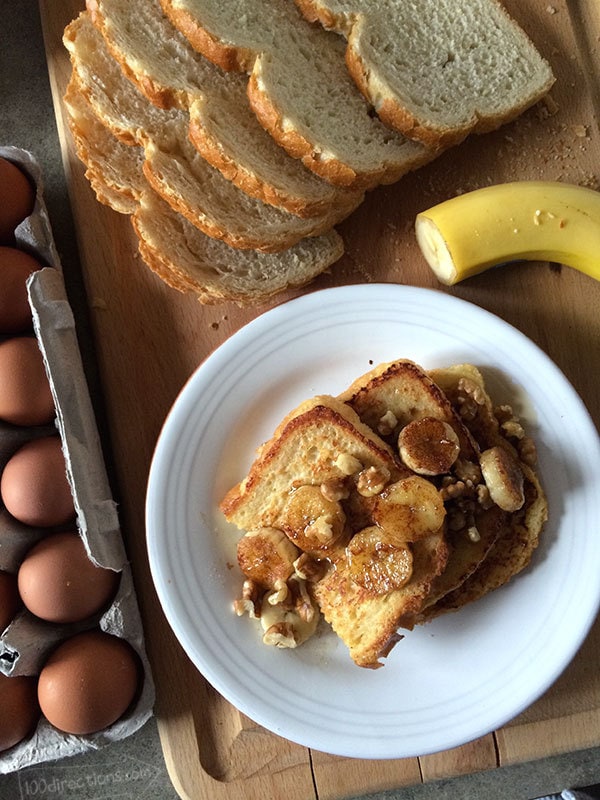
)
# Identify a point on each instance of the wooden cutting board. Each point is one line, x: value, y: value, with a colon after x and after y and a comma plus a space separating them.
x: 149, y: 339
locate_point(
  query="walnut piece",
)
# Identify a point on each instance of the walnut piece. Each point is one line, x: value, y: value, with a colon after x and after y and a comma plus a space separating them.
x: 372, y: 481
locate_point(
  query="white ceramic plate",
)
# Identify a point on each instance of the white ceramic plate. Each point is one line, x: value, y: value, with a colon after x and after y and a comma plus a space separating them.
x: 446, y: 683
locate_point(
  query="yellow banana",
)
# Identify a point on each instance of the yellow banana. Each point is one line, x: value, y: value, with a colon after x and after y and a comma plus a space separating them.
x: 518, y: 221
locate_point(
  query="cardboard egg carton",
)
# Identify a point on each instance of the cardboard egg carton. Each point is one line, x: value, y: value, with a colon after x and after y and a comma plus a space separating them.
x: 27, y: 641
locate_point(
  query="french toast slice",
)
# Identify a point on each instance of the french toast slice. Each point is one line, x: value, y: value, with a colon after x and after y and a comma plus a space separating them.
x: 428, y: 535
x: 320, y: 447
x: 393, y: 394
x: 520, y: 531
x: 367, y: 623
x: 305, y: 449
x: 487, y: 544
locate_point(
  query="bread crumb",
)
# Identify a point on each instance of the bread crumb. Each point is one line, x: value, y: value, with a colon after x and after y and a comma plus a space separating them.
x: 547, y: 107
x: 580, y: 131
x: 551, y: 10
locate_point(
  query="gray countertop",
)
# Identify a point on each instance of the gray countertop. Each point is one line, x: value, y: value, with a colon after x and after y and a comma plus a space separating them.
x: 135, y: 768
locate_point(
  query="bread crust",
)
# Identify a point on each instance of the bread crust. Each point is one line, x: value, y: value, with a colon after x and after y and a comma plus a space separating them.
x: 332, y: 201
x: 343, y: 201
x: 395, y: 116
x: 129, y: 192
x: 297, y: 146
x: 228, y: 57
x: 329, y: 168
x: 391, y: 110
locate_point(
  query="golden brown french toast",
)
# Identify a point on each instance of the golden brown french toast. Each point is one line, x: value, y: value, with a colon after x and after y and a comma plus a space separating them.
x: 407, y: 496
x: 494, y: 428
x: 321, y: 506
x: 320, y: 441
x: 391, y: 395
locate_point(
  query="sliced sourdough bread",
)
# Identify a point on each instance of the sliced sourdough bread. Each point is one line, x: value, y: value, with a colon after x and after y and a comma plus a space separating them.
x: 299, y: 88
x: 222, y: 126
x: 434, y: 70
x: 178, y: 252
x: 175, y: 169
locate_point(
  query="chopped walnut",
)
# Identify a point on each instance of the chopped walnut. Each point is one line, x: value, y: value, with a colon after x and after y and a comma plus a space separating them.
x: 281, y: 634
x: 527, y: 451
x: 372, y: 481
x: 335, y: 490
x: 303, y: 605
x: 279, y: 593
x: 321, y: 530
x: 250, y: 601
x: 512, y: 429
x: 387, y: 423
x: 468, y: 471
x: 503, y: 413
x: 453, y: 490
x: 293, y: 621
x: 309, y: 568
x: 470, y: 388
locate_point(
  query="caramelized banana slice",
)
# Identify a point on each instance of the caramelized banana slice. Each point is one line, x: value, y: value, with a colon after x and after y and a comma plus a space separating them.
x: 378, y: 566
x: 503, y: 478
x: 267, y: 556
x: 312, y: 521
x: 409, y: 510
x: 428, y: 446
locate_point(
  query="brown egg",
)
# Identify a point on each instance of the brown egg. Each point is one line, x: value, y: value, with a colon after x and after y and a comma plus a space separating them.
x: 59, y: 583
x: 34, y: 485
x: 16, y: 199
x: 20, y: 710
x: 9, y: 598
x: 25, y: 395
x: 88, y: 682
x: 15, y: 267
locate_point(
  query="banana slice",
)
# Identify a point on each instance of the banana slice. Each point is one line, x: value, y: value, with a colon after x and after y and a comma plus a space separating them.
x: 312, y: 521
x: 503, y: 478
x: 266, y: 556
x: 376, y: 565
x: 409, y: 510
x: 522, y: 220
x: 428, y: 446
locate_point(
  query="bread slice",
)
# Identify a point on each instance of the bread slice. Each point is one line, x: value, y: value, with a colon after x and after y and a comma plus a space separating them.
x: 222, y: 126
x: 491, y: 545
x: 178, y: 252
x: 512, y: 550
x: 312, y: 447
x: 172, y: 165
x: 369, y: 624
x: 303, y: 450
x: 299, y: 88
x: 404, y: 390
x: 434, y: 71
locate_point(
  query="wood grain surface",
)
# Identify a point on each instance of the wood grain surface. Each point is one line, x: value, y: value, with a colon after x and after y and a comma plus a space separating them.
x: 149, y: 339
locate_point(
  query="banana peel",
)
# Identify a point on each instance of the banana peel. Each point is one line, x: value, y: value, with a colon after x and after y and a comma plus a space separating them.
x: 518, y: 221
